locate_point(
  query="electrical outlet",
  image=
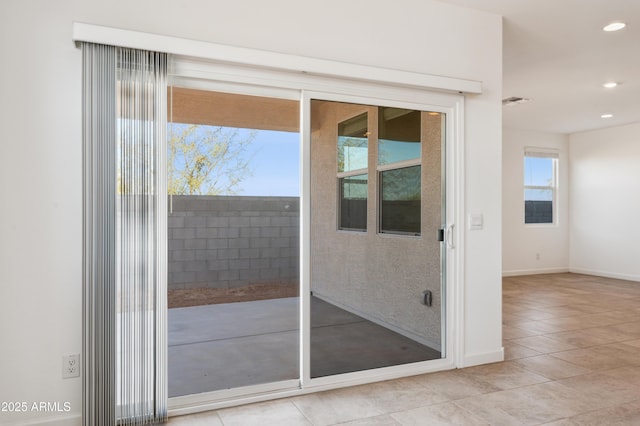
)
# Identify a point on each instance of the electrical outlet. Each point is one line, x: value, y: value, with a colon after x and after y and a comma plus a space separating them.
x: 71, y: 366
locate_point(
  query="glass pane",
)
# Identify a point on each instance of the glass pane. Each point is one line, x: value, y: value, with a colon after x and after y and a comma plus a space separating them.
x: 398, y: 135
x: 538, y: 171
x: 353, y: 144
x: 353, y: 203
x: 219, y: 160
x: 233, y: 271
x: 538, y: 194
x: 400, y: 200
x: 538, y: 206
x: 367, y: 290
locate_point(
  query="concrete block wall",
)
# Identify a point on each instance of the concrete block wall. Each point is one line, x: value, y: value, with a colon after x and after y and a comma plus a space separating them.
x: 232, y: 241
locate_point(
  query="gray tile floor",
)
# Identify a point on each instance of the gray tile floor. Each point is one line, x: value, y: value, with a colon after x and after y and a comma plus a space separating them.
x: 224, y: 346
x: 572, y: 346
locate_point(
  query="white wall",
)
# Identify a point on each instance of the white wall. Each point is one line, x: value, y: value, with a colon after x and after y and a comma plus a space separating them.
x: 521, y: 243
x: 605, y: 202
x: 40, y: 169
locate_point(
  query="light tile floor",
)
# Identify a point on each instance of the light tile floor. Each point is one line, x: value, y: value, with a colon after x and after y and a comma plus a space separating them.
x: 572, y: 349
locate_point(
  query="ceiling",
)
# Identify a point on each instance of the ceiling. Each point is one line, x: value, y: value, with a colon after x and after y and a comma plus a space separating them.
x: 557, y: 55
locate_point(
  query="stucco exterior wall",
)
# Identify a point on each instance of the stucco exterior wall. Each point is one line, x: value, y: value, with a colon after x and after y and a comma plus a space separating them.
x: 378, y: 276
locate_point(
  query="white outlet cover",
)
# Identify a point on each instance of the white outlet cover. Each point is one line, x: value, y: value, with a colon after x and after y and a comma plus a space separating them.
x: 71, y: 366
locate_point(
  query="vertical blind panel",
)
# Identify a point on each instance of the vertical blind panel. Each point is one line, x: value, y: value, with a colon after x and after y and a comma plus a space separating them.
x: 125, y: 236
x: 99, y: 223
x: 141, y: 237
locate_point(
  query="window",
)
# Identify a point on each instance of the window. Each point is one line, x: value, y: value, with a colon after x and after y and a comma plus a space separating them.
x: 353, y: 157
x: 399, y: 170
x: 540, y: 184
x: 400, y: 200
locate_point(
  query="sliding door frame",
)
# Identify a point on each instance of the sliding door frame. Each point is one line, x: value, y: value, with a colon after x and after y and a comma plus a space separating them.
x: 248, y: 81
x: 215, y: 67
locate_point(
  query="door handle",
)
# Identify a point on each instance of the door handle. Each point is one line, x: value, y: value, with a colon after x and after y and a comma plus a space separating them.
x: 449, y: 238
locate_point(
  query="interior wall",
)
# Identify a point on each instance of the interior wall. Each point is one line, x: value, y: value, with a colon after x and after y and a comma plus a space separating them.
x: 533, y: 248
x: 605, y: 206
x: 40, y: 114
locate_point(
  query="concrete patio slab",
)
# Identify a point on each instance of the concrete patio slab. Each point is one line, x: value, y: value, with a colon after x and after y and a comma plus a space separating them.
x: 231, y: 345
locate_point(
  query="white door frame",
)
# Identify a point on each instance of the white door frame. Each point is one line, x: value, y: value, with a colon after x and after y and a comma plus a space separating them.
x: 453, y: 333
x: 248, y: 71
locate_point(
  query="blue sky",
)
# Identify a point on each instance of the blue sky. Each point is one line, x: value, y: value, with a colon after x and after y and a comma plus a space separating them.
x: 274, y: 160
x: 275, y: 164
x: 538, y: 171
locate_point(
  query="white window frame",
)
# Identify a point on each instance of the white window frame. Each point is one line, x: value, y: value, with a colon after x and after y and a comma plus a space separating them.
x: 346, y: 174
x: 340, y: 177
x: 397, y: 165
x: 555, y: 157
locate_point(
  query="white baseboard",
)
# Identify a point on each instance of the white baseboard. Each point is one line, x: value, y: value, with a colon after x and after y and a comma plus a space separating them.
x: 605, y: 274
x: 67, y: 420
x: 516, y: 273
x: 483, y: 358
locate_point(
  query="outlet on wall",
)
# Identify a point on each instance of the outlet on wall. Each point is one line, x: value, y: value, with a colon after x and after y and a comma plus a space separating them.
x: 70, y: 366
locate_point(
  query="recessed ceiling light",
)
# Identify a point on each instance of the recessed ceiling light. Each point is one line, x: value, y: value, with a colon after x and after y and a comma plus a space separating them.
x: 610, y: 85
x: 614, y: 26
x: 606, y: 115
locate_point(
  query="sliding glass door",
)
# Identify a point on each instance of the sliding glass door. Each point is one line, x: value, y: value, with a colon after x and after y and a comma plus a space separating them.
x: 376, y: 219
x: 306, y: 240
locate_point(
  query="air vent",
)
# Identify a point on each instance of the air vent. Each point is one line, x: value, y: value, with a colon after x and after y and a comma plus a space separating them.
x: 514, y: 100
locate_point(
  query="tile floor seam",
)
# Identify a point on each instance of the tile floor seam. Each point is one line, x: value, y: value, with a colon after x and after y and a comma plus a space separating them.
x: 607, y: 407
x: 391, y: 413
x: 604, y: 370
x: 555, y: 380
x: 477, y: 416
x: 302, y: 412
x: 592, y: 371
x: 569, y: 329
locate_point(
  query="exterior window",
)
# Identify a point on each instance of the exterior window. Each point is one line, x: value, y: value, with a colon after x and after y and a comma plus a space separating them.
x: 353, y: 202
x: 353, y: 157
x: 540, y: 171
x: 399, y: 170
x: 400, y: 200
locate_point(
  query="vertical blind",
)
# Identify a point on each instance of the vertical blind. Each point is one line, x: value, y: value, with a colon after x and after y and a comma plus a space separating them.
x: 124, y: 126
